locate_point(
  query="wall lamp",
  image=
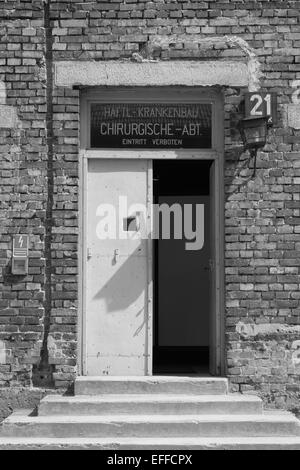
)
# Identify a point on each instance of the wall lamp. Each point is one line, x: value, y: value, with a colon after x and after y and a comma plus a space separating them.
x: 254, y: 131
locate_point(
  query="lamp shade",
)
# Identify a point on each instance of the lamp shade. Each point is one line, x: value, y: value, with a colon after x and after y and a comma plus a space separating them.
x: 254, y: 131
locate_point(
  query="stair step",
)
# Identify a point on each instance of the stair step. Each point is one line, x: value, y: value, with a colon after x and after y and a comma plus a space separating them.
x: 192, y: 443
x: 274, y: 423
x: 149, y: 404
x: 88, y: 385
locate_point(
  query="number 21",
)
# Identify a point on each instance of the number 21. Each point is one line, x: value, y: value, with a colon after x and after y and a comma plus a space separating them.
x: 258, y: 100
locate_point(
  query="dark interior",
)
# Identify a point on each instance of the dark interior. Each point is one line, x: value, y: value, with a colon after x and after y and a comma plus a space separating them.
x: 177, y: 178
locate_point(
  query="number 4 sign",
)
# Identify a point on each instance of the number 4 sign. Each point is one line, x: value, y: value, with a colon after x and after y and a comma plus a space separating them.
x: 260, y: 104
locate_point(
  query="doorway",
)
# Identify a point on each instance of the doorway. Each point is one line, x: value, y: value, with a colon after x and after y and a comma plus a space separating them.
x: 150, y: 305
x: 182, y: 267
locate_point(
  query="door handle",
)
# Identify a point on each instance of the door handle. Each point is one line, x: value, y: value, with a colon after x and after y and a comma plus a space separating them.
x: 116, y: 256
x: 88, y: 253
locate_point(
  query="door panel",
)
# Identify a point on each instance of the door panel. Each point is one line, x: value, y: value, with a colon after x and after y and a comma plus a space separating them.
x: 117, y: 269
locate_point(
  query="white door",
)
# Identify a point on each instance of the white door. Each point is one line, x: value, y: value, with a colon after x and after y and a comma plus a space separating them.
x: 118, y: 319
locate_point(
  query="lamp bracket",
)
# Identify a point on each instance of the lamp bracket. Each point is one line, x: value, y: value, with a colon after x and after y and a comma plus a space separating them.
x: 253, y: 154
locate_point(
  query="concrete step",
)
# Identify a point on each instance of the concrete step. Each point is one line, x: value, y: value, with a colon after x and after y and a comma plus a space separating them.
x: 192, y: 443
x: 149, y: 404
x: 88, y: 385
x: 275, y: 423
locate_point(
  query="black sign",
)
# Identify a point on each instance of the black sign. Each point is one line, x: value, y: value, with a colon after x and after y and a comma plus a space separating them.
x: 143, y: 125
x: 261, y: 104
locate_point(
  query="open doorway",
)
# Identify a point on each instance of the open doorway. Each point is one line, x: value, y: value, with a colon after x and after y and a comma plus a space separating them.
x: 182, y: 274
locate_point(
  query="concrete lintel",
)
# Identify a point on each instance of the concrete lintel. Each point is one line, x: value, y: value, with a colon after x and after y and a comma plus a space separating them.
x: 118, y: 73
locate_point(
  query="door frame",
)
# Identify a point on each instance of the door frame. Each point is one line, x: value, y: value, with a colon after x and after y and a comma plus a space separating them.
x: 216, y: 154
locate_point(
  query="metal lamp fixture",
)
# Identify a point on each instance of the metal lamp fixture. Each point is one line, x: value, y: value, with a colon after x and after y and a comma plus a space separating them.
x: 254, y: 131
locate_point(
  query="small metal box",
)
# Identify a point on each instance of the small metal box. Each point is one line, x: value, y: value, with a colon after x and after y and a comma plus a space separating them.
x: 20, y: 255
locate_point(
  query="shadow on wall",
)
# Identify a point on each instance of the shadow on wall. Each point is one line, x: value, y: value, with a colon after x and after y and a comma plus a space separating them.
x: 240, y: 165
x: 10, y: 279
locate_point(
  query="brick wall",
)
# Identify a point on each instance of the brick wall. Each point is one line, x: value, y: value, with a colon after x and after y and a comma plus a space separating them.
x: 39, y: 177
x: 23, y: 168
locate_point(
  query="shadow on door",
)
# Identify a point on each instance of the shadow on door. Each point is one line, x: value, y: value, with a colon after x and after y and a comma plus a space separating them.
x: 182, y: 267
